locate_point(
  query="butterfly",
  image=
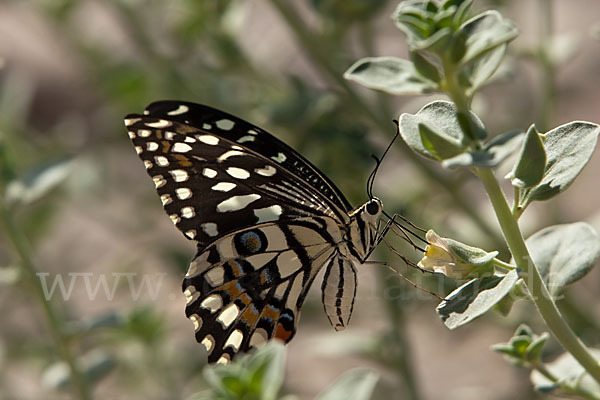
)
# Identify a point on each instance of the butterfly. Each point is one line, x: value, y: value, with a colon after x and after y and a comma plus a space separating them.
x: 264, y: 219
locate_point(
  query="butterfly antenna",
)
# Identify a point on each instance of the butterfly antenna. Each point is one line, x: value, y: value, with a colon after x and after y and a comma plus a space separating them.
x: 371, y: 179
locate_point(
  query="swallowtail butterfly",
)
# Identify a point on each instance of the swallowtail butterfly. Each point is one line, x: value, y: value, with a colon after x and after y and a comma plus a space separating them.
x: 264, y: 219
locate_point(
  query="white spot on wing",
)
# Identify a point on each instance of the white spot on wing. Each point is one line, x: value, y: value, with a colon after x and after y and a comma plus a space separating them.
x: 208, y: 342
x: 247, y: 138
x: 187, y: 212
x: 175, y: 218
x: 212, y: 303
x: 191, y: 294
x: 225, y: 124
x: 224, y: 359
x: 258, y: 338
x: 236, y: 203
x: 165, y: 199
x: 180, y: 147
x: 159, y: 181
x: 131, y: 121
x: 148, y: 164
x: 183, y: 193
x: 144, y: 132
x: 268, y: 170
x: 163, y: 123
x: 197, y: 321
x: 280, y: 157
x: 131, y: 134
x: 228, y: 315
x: 252, y: 132
x: 182, y: 109
x: 215, y: 276
x: 138, y: 149
x: 271, y: 213
x: 208, y: 139
x: 169, y: 135
x: 228, y: 154
x: 189, y: 139
x: 235, y: 340
x: 209, y: 173
x: 179, y: 175
x: 161, y: 160
x: 152, y: 146
x: 224, y: 186
x: 210, y: 228
x: 238, y: 173
x: 191, y: 233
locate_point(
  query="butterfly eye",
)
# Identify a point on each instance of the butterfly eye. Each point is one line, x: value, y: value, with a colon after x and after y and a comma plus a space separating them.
x: 250, y: 242
x: 373, y: 207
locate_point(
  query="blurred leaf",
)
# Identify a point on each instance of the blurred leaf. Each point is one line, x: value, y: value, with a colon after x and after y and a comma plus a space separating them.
x: 425, y: 67
x: 494, y: 152
x: 38, y: 182
x: 485, y: 32
x: 569, y: 372
x: 110, y: 319
x: 568, y: 149
x: 439, y: 118
x: 145, y: 324
x: 94, y: 365
x: 564, y: 253
x: 9, y: 275
x: 474, y: 298
x: 357, y: 384
x: 529, y: 168
x: 257, y: 375
x: 390, y: 74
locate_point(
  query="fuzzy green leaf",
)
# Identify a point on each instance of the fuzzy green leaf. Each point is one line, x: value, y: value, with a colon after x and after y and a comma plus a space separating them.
x: 568, y: 148
x: 474, y: 298
x: 440, y: 119
x: 357, y: 384
x: 38, y: 182
x: 529, y: 168
x: 564, y: 253
x: 389, y: 74
x: 569, y: 372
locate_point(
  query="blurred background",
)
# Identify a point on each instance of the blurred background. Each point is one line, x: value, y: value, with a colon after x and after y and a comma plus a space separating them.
x: 78, y: 205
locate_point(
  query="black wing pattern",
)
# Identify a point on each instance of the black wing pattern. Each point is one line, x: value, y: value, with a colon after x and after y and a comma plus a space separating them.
x: 264, y: 218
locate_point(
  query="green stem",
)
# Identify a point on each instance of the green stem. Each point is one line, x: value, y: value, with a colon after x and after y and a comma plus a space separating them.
x: 21, y: 247
x: 568, y: 388
x: 502, y: 264
x: 532, y: 278
x: 321, y: 59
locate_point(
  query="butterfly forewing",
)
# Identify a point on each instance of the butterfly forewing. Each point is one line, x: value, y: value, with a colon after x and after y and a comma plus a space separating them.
x: 264, y: 218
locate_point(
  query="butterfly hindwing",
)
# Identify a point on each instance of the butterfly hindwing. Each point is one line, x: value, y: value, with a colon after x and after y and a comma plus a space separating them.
x: 247, y: 287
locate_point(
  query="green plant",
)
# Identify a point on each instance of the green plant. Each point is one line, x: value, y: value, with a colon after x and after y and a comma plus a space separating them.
x: 455, y: 53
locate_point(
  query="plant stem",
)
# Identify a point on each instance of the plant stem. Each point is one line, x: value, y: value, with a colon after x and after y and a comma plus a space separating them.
x: 21, y: 247
x: 532, y: 278
x: 321, y: 59
x: 502, y: 264
x: 566, y: 386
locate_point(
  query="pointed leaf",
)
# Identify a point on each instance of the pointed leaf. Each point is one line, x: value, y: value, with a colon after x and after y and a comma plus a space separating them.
x: 564, y: 253
x: 485, y: 32
x: 38, y: 182
x: 495, y: 151
x: 357, y: 384
x: 568, y: 148
x: 389, y: 74
x: 529, y: 168
x: 474, y: 298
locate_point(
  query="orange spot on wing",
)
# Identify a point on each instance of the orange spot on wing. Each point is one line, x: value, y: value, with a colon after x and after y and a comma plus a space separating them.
x: 166, y: 146
x: 282, y: 333
x: 183, y: 160
x: 250, y: 316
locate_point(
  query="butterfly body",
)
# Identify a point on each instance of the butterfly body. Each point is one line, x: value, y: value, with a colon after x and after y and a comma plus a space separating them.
x: 264, y: 219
